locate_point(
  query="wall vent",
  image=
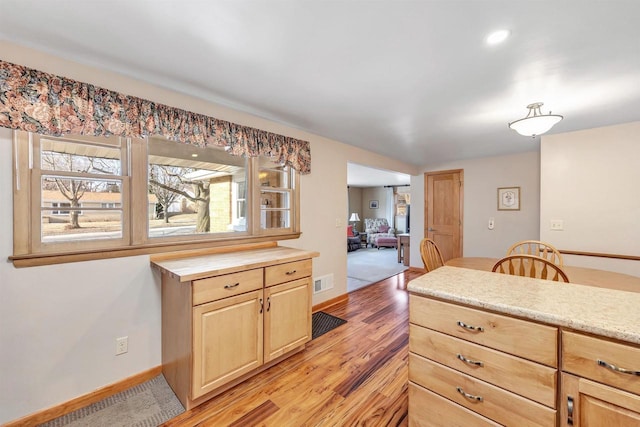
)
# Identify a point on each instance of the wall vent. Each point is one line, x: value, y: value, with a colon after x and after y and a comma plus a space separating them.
x: 322, y: 283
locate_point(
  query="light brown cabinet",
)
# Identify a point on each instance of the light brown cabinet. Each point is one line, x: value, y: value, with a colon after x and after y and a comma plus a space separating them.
x: 484, y: 368
x: 600, y: 382
x: 227, y: 341
x: 227, y: 316
x: 501, y: 368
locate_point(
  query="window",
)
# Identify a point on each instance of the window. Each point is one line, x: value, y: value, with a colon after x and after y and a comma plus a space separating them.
x: 195, y: 191
x: 275, y: 195
x: 83, y: 194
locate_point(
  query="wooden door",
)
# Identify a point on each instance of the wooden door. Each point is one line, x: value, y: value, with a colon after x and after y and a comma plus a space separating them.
x: 443, y: 211
x: 227, y: 340
x: 287, y: 317
x: 586, y: 403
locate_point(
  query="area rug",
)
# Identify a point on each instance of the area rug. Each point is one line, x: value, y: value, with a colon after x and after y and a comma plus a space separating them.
x: 323, y: 322
x: 146, y: 405
x: 367, y: 266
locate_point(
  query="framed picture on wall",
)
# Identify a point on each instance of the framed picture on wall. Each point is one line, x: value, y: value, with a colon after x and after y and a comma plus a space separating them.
x: 373, y: 204
x: 509, y: 199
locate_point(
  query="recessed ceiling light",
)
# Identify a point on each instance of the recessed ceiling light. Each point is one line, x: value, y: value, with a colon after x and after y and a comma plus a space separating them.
x: 194, y: 155
x: 497, y: 37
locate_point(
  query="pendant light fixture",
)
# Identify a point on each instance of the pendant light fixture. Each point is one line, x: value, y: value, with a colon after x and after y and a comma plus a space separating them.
x: 535, y: 123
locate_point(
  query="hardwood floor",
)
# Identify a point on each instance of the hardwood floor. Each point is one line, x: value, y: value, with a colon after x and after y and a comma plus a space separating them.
x: 354, y: 375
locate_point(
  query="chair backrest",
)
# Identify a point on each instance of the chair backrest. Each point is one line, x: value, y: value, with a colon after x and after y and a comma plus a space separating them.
x: 430, y: 253
x: 537, y: 248
x: 530, y: 266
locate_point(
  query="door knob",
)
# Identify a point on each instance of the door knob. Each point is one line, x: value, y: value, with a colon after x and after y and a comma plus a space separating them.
x: 431, y: 229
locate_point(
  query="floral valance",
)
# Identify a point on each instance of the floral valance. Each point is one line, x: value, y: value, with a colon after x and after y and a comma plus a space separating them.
x: 35, y: 101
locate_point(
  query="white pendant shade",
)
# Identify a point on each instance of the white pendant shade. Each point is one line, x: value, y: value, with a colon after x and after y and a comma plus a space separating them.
x: 535, y: 123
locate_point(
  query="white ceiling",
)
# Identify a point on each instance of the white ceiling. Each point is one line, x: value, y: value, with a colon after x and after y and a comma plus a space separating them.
x: 413, y: 80
x: 363, y: 176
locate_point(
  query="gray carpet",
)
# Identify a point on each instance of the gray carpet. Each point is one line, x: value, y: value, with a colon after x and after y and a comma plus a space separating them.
x: 367, y: 266
x: 146, y: 405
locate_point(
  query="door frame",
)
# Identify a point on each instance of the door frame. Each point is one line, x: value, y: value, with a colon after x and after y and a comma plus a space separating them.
x: 460, y: 202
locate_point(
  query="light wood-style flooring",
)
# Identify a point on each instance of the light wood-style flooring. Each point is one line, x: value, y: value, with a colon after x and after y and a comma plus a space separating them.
x: 354, y: 375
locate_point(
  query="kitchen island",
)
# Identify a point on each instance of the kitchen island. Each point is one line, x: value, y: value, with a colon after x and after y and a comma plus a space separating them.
x: 493, y: 349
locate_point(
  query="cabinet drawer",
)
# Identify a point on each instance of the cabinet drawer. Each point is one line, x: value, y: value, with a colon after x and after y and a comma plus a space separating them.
x: 427, y: 409
x: 532, y: 380
x: 227, y: 285
x: 497, y: 404
x: 519, y: 337
x: 286, y: 272
x: 580, y: 355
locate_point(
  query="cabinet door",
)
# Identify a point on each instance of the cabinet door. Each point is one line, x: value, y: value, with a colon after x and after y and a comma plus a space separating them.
x: 588, y: 404
x: 287, y: 317
x: 227, y: 340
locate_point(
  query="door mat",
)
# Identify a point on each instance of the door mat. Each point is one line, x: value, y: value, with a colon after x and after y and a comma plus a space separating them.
x: 145, y: 405
x: 321, y: 323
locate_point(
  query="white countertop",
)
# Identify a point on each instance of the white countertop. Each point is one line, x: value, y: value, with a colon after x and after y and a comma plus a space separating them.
x: 600, y: 311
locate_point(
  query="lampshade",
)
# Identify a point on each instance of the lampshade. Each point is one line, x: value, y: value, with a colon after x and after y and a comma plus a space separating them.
x: 535, y: 123
x: 354, y: 217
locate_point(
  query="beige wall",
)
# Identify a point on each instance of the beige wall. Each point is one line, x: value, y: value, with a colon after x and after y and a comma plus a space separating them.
x: 589, y: 180
x: 355, y: 205
x: 58, y: 323
x: 482, y: 177
x: 379, y: 194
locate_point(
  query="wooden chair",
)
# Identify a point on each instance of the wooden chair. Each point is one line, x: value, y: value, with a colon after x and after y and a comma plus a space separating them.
x: 430, y: 253
x: 537, y: 248
x: 530, y: 266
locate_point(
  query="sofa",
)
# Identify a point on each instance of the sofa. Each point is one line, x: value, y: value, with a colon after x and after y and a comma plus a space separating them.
x: 375, y: 227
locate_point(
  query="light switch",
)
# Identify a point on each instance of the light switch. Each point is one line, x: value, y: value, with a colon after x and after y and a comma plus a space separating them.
x: 491, y: 224
x: 557, y: 224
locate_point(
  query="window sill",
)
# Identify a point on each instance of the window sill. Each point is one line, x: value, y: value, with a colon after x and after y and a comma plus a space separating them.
x: 20, y: 261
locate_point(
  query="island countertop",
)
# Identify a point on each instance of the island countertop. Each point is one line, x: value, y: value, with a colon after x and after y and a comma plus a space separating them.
x: 605, y: 312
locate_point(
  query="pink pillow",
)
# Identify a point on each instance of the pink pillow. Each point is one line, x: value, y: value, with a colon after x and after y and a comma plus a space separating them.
x: 383, y: 228
x: 349, y: 231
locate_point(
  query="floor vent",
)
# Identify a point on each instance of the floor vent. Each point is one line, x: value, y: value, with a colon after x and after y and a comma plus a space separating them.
x: 321, y: 284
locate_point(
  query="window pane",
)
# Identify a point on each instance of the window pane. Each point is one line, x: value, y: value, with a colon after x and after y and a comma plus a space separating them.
x: 91, y: 225
x: 70, y: 156
x: 194, y: 190
x: 270, y: 219
x: 273, y: 175
x: 74, y: 209
x: 274, y: 199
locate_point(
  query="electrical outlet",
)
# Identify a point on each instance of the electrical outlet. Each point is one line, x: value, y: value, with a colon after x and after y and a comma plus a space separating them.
x: 491, y: 223
x: 122, y: 345
x: 557, y: 224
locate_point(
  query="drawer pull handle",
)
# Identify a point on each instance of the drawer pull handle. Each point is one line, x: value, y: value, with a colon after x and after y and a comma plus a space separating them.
x: 469, y: 361
x: 617, y: 369
x: 289, y: 273
x: 570, y: 410
x: 469, y: 396
x: 469, y: 327
x: 235, y: 285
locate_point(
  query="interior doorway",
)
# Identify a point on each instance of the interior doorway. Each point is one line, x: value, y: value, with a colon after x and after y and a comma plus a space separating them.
x: 372, y: 194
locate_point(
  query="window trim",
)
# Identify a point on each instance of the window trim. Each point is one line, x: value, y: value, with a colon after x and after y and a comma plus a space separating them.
x: 29, y: 251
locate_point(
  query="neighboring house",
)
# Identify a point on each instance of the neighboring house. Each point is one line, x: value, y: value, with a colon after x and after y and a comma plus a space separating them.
x: 89, y: 201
